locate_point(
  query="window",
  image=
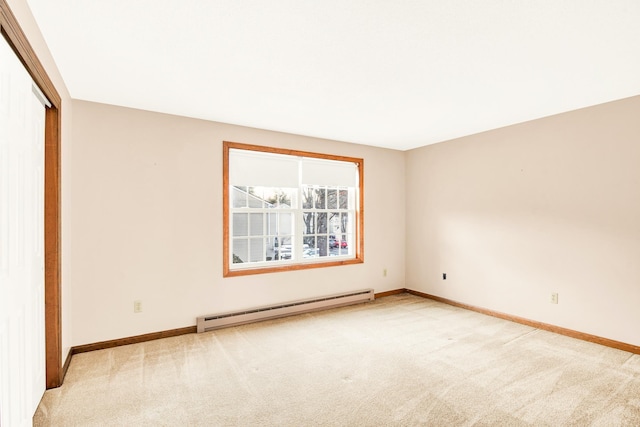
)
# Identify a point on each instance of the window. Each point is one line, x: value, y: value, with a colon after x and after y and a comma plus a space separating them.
x: 289, y: 210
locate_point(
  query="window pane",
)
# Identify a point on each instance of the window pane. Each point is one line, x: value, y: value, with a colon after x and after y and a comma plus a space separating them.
x: 334, y: 223
x: 309, y: 219
x: 257, y: 224
x: 255, y: 251
x: 285, y: 223
x: 309, y: 249
x: 240, y: 224
x: 321, y: 198
x: 332, y: 198
x: 343, y: 199
x: 307, y: 197
x: 344, y: 223
x: 270, y: 246
x: 240, y: 251
x: 343, y: 247
x: 322, y: 246
x: 321, y: 220
x: 239, y: 197
x: 309, y: 241
x: 285, y: 250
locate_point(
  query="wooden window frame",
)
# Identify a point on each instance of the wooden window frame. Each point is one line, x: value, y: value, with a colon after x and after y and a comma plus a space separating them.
x: 11, y: 31
x: 359, y: 215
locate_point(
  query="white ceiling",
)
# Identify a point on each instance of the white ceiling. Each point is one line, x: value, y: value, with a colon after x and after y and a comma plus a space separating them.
x: 397, y: 74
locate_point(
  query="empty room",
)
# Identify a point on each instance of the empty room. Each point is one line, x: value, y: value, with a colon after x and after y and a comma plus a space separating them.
x: 319, y: 213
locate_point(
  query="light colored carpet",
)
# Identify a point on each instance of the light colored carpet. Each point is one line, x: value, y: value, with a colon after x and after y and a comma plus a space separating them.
x: 401, y: 360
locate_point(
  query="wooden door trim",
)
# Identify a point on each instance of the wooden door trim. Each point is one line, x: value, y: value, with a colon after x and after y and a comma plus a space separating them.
x: 16, y: 38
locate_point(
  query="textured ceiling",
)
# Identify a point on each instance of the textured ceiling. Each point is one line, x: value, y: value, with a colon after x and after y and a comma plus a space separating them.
x: 397, y: 74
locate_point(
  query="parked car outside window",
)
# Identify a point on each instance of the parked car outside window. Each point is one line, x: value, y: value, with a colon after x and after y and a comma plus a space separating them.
x: 337, y: 243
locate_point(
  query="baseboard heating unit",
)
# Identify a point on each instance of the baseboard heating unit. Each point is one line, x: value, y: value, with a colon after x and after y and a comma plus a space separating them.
x: 223, y: 320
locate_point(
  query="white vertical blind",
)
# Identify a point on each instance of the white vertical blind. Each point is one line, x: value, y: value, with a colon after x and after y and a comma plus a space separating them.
x: 22, y: 347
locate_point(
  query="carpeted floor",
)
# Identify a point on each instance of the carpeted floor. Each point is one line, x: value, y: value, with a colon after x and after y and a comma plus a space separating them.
x: 400, y: 360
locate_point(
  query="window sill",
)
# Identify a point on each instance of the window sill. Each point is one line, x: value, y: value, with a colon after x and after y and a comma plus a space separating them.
x: 290, y: 267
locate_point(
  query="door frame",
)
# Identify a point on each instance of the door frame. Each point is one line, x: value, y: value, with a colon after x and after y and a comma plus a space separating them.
x: 11, y: 31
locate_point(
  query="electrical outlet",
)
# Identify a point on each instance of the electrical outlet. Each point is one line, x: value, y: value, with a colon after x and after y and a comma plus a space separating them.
x: 554, y: 298
x: 384, y: 273
x: 137, y: 306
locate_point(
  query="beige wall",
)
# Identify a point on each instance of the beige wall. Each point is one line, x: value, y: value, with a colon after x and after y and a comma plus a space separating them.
x: 23, y: 14
x: 148, y: 223
x: 514, y: 214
